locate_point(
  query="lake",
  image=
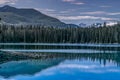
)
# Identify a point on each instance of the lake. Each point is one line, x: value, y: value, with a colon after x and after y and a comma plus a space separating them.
x: 65, y: 62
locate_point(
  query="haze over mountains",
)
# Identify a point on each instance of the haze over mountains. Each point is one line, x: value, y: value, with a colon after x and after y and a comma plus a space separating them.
x: 12, y: 15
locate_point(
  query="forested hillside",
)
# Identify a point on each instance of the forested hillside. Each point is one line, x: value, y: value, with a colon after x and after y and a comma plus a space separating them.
x: 43, y: 34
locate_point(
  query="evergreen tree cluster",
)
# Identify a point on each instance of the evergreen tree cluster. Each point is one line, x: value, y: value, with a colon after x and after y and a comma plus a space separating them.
x: 42, y: 34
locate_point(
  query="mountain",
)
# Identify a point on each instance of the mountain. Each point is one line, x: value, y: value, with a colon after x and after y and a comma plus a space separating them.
x: 14, y: 15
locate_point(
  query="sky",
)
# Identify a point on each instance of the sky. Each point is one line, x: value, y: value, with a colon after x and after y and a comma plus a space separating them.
x: 73, y: 11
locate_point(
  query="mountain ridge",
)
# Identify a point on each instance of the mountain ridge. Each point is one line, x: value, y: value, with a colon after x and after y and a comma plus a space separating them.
x: 14, y: 15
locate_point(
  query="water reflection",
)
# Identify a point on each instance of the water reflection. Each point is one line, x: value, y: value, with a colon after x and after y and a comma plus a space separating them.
x: 65, y: 63
x: 61, y: 46
x: 66, y: 66
x: 26, y: 67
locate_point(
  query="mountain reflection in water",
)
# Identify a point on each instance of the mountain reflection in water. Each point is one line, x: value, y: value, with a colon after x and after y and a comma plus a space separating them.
x: 65, y: 63
x: 79, y: 61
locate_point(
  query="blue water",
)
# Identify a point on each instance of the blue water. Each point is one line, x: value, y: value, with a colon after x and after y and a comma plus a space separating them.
x: 65, y: 70
x: 100, y: 63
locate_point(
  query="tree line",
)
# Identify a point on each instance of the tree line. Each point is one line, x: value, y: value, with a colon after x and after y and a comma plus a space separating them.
x: 43, y: 34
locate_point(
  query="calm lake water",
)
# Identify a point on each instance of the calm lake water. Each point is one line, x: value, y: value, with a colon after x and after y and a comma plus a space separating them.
x: 74, y: 62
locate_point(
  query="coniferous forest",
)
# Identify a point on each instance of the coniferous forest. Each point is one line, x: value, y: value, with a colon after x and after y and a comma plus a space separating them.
x: 43, y: 34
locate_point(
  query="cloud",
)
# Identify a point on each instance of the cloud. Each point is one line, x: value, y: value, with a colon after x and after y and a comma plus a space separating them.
x: 68, y: 0
x: 46, y: 10
x: 8, y: 1
x: 116, y: 13
x: 67, y: 11
x: 73, y: 2
x: 78, y: 3
x: 84, y: 17
x: 101, y: 13
x: 94, y: 12
x: 105, y: 6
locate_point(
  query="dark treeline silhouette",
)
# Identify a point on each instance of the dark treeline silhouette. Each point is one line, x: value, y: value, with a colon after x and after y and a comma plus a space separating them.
x: 42, y: 34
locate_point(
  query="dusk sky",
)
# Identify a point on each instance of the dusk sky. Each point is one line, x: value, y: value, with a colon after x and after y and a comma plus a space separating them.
x: 73, y: 11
